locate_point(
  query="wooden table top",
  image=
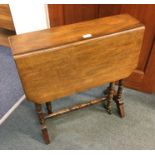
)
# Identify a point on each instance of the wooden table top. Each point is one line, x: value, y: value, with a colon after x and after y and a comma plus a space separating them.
x: 62, y: 35
x: 58, y: 62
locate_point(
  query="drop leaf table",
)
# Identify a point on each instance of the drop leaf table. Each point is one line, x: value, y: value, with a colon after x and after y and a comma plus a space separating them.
x: 64, y: 60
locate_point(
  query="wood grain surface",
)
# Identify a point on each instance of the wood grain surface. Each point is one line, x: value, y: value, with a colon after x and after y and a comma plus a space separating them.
x: 4, y: 34
x: 51, y: 67
x: 6, y: 20
x: 61, y: 35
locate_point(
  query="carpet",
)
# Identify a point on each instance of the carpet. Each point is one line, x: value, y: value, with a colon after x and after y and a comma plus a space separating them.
x: 10, y: 86
x: 89, y: 128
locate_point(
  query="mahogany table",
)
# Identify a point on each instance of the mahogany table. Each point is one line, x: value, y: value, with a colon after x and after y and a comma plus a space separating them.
x: 64, y: 60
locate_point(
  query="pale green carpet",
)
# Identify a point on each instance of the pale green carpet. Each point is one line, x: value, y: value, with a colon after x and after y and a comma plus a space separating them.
x: 90, y: 128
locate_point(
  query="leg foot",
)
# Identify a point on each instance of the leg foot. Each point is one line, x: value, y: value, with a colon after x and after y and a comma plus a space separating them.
x: 45, y: 134
x: 42, y: 123
x: 121, y: 111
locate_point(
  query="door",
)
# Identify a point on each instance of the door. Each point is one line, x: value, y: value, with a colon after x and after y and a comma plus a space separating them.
x: 143, y: 78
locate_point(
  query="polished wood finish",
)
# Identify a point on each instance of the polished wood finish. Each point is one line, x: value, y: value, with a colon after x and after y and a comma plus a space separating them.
x: 79, y: 12
x: 109, y: 9
x: 139, y: 79
x: 143, y: 12
x: 4, y: 34
x: 60, y: 70
x: 57, y: 17
x: 58, y: 36
x: 6, y: 21
x: 6, y: 25
x: 63, y: 14
x: 58, y: 62
x: 147, y: 83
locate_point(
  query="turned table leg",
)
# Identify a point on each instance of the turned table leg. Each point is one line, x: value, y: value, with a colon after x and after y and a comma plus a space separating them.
x: 42, y: 123
x: 49, y: 107
x: 118, y: 99
x: 110, y: 94
x: 106, y: 91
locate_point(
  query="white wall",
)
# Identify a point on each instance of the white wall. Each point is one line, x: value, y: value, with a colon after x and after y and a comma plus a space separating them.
x: 29, y: 17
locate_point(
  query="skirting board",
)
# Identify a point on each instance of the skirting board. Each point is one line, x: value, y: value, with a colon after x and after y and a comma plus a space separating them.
x: 12, y: 109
